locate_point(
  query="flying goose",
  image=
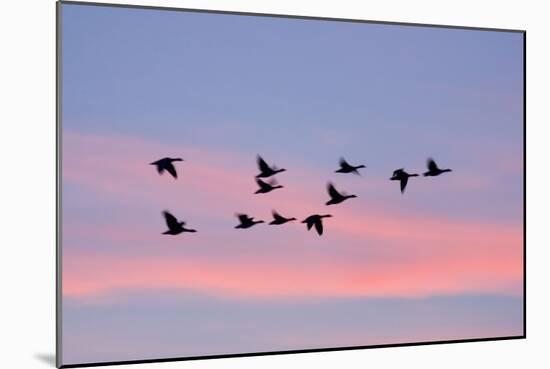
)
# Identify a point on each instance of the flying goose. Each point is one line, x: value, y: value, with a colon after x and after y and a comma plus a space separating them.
x: 403, y: 177
x: 279, y: 219
x: 316, y: 220
x: 266, y: 170
x: 266, y: 187
x: 165, y: 164
x: 174, y: 225
x: 246, y: 221
x: 335, y: 196
x: 433, y: 169
x: 345, y: 167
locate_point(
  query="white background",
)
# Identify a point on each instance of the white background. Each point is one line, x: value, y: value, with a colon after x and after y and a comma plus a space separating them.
x: 27, y: 189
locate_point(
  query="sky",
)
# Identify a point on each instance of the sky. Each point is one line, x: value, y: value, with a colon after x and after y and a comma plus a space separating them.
x: 444, y: 261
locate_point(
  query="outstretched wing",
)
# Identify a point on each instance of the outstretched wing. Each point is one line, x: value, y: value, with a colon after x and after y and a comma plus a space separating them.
x: 171, y: 221
x: 332, y: 191
x: 263, y: 165
x: 403, y: 183
x: 398, y: 171
x: 319, y: 227
x: 170, y: 168
x: 277, y: 216
x: 432, y: 166
x: 263, y: 185
x: 345, y: 165
x: 243, y: 217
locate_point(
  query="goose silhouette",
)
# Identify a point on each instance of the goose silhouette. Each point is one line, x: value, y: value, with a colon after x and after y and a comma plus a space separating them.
x: 165, y: 164
x: 266, y: 187
x: 246, y: 221
x: 335, y: 196
x: 174, y: 225
x: 433, y: 169
x: 265, y: 170
x: 403, y: 177
x: 317, y: 221
x: 345, y: 167
x: 279, y: 219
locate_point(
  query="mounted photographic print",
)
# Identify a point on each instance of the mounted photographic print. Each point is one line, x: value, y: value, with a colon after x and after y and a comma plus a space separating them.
x: 238, y: 184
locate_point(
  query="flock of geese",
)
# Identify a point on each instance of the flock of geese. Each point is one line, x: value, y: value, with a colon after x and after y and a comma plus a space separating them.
x: 176, y: 227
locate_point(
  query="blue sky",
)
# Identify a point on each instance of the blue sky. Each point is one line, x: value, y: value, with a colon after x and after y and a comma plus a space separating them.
x: 219, y: 89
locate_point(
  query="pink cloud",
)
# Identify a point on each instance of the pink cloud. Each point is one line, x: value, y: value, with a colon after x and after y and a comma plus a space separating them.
x: 86, y: 274
x: 367, y: 250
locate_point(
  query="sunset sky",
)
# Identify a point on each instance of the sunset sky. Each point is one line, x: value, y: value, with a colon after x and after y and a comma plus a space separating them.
x: 443, y: 261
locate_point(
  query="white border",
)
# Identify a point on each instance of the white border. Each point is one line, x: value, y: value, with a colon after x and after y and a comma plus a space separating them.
x: 27, y: 202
